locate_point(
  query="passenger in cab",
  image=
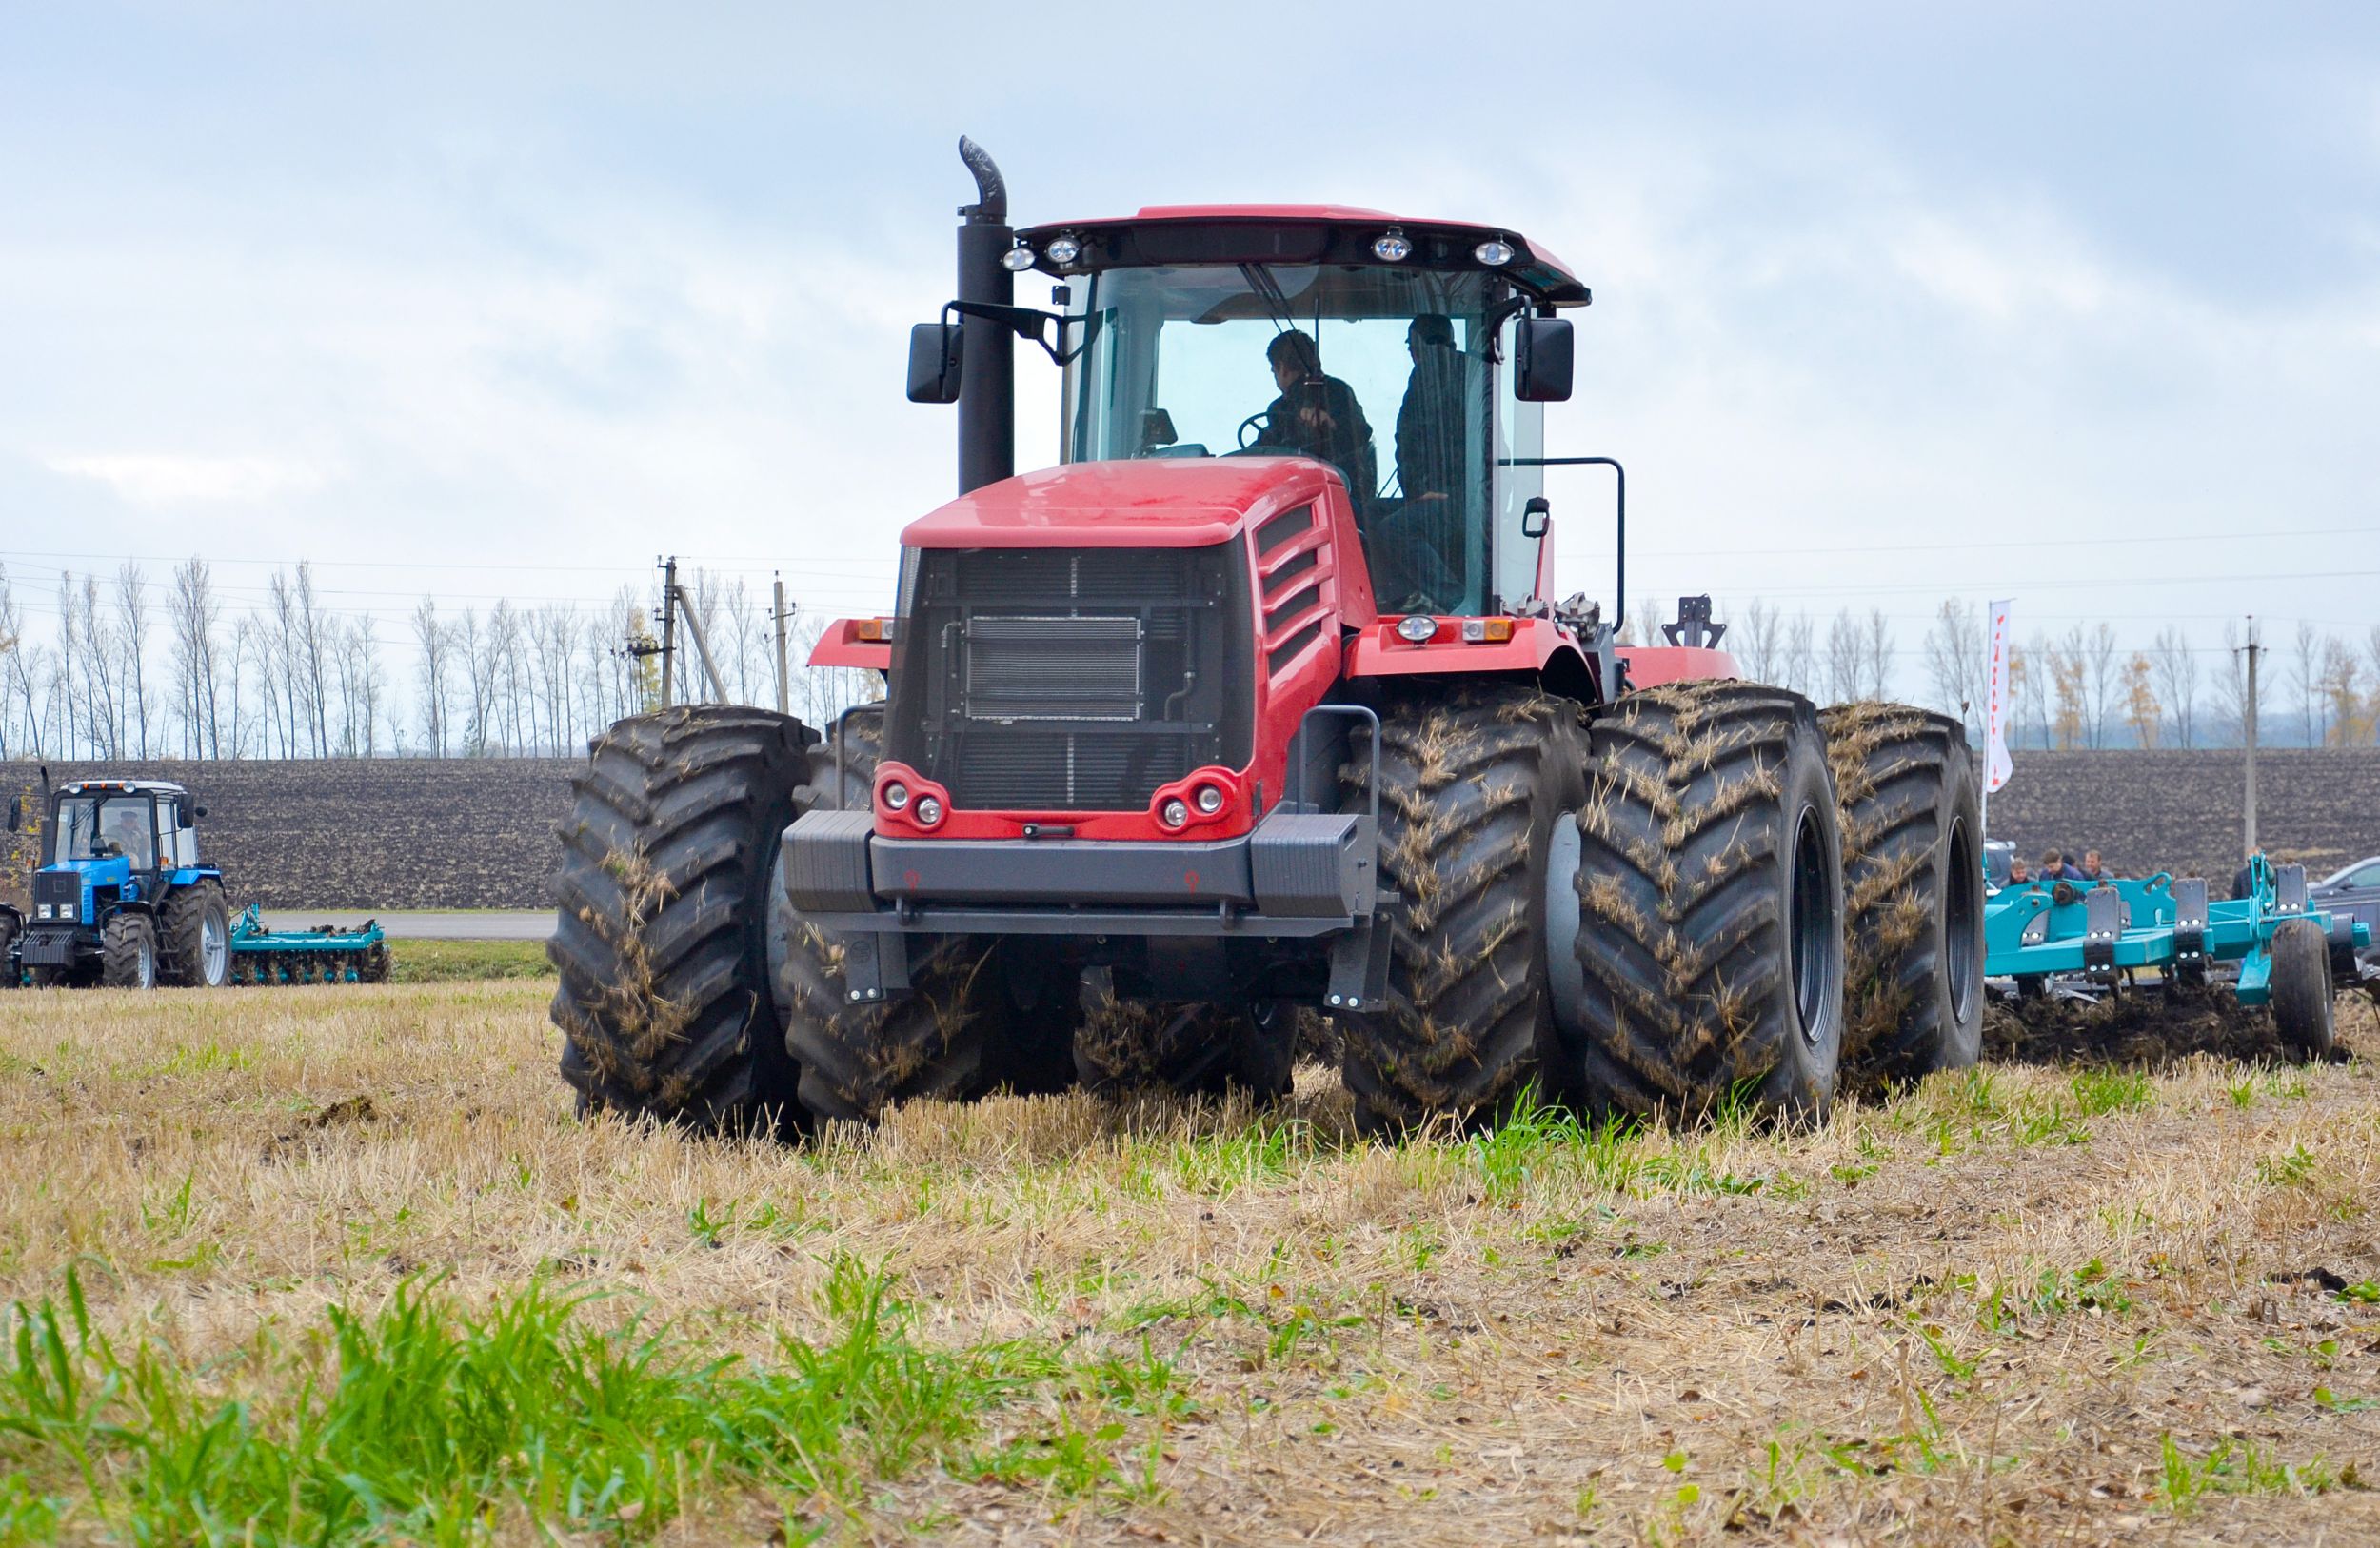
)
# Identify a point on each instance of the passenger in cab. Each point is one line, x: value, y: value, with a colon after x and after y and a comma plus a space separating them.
x: 1417, y: 543
x: 1317, y: 416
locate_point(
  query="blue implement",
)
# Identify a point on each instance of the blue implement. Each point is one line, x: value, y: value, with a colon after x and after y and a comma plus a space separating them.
x: 324, y: 954
x: 2099, y: 930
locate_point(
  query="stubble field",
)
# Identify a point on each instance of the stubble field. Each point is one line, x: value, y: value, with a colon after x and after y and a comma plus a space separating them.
x: 340, y: 1264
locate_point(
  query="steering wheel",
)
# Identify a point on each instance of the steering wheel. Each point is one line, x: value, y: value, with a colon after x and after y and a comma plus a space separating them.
x: 1259, y: 422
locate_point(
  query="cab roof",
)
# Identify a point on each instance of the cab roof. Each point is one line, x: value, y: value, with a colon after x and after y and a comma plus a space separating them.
x: 118, y: 787
x: 1193, y: 234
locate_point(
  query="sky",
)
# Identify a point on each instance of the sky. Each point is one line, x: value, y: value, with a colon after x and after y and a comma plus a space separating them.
x: 2075, y: 305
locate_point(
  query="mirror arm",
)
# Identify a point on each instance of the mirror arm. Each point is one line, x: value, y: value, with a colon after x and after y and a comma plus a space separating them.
x: 1028, y: 323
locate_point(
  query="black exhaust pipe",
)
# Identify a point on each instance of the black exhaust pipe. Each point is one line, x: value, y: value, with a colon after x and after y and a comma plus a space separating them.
x: 988, y: 392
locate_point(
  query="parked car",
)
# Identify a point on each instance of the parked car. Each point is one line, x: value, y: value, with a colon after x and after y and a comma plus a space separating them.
x: 2354, y: 891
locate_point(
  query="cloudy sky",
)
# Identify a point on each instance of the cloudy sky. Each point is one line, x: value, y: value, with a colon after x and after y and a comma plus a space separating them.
x: 2078, y: 303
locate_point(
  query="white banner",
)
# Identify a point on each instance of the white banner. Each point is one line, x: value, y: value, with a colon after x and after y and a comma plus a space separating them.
x: 1996, y: 767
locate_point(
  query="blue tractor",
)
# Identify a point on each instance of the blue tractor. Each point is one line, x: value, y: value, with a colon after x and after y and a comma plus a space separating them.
x: 120, y: 899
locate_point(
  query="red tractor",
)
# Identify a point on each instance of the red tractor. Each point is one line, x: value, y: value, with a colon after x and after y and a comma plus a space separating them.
x: 1259, y: 701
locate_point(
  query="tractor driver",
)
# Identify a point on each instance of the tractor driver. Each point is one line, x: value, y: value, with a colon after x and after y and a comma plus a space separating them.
x: 124, y: 830
x: 1317, y: 416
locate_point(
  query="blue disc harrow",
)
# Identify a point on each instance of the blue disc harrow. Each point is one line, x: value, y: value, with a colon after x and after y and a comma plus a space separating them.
x: 324, y: 954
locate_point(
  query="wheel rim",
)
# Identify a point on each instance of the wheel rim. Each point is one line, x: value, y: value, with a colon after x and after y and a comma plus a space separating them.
x: 1813, y: 925
x: 149, y: 965
x: 1961, y: 920
x: 214, y: 951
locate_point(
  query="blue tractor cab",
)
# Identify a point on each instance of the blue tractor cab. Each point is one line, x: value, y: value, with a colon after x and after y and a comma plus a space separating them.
x: 119, y: 897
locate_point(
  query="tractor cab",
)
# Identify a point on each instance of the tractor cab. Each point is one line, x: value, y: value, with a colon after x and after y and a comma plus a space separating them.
x: 1412, y: 358
x: 119, y: 865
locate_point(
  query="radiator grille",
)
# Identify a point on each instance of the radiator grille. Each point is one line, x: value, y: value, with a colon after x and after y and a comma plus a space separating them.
x: 1071, y: 680
x: 57, y: 888
x: 1026, y: 668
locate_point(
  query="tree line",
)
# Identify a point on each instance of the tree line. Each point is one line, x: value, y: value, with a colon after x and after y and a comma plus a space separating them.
x: 132, y: 667
x: 135, y: 669
x: 2077, y: 690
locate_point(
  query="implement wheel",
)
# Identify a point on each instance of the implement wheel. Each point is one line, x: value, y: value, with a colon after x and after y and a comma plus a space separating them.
x: 130, y: 952
x: 1709, y: 902
x: 661, y: 941
x: 2301, y: 989
x: 1913, y: 875
x: 194, y: 936
x: 979, y: 1014
x: 1126, y: 1044
x: 1474, y: 781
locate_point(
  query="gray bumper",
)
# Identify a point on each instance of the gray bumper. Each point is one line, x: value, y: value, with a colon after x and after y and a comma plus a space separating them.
x: 1298, y: 875
x: 56, y: 947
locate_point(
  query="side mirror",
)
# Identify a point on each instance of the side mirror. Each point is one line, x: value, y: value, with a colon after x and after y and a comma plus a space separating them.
x: 1542, y: 360
x: 197, y: 812
x: 1536, y: 516
x: 936, y: 354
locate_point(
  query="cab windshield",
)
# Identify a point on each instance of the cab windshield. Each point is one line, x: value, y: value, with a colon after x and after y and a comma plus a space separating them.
x: 92, y: 827
x: 1385, y: 375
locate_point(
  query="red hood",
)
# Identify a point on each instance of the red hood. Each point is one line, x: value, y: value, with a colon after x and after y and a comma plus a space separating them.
x: 1150, y: 503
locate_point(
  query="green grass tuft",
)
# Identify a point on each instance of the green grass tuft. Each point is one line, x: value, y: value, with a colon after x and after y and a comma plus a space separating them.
x: 426, y: 1421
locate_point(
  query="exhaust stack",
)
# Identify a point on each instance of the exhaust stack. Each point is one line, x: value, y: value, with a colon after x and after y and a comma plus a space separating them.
x: 988, y: 406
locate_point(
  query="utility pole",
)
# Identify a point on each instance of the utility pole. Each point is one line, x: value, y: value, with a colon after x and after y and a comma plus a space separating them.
x: 785, y: 685
x: 2248, y: 727
x: 668, y: 628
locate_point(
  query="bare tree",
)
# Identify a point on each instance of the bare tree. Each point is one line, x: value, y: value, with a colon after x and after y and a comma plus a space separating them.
x: 433, y: 642
x: 132, y: 629
x: 1843, y: 658
x: 1876, y: 651
x: 1759, y: 640
x: 313, y: 648
x: 2306, y: 677
x: 2101, y: 680
x: 1955, y: 663
x: 1801, y: 653
x: 195, y: 615
x: 2178, y: 682
x: 2029, y: 674
x: 2342, y: 694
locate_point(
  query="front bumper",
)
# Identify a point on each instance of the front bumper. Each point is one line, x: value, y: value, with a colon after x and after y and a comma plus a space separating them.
x: 56, y: 945
x: 1297, y: 876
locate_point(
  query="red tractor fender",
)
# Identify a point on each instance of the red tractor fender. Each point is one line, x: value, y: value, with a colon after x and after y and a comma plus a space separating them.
x: 1649, y: 666
x: 1539, y: 650
x: 840, y: 646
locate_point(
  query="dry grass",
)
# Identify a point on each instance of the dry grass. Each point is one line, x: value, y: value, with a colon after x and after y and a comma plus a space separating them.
x: 2029, y: 1305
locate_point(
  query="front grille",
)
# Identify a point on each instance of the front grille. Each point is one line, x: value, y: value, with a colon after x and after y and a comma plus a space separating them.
x: 1071, y: 680
x: 64, y: 887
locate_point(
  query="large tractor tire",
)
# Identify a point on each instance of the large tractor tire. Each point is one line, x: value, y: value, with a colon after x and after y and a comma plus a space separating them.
x: 1126, y: 1044
x: 9, y: 930
x: 129, y: 951
x: 980, y: 1014
x: 1474, y: 781
x: 194, y: 936
x: 662, y: 941
x: 1913, y: 877
x: 2301, y: 1002
x: 1710, y: 904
